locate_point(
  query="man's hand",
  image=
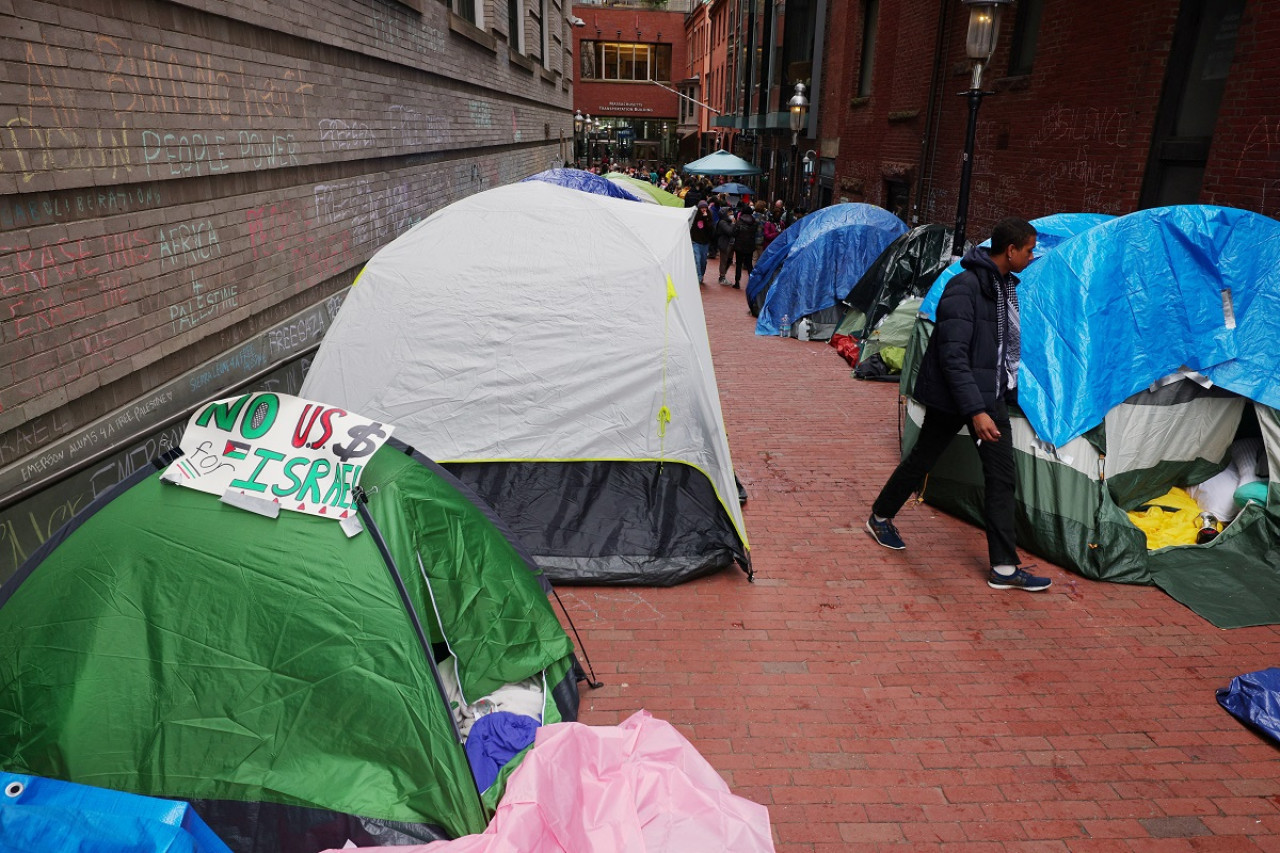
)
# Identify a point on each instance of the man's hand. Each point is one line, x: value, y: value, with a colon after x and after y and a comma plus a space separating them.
x: 984, y: 427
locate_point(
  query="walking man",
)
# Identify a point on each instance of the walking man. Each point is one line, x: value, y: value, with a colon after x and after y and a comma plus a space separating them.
x: 968, y: 376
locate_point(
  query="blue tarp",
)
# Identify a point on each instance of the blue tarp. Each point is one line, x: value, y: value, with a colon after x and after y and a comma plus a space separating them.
x: 588, y: 182
x: 47, y: 814
x: 1051, y: 230
x: 1132, y: 300
x: 1254, y: 699
x: 819, y: 260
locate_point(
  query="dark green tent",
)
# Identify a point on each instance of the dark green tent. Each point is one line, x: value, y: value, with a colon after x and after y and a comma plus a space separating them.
x: 167, y: 644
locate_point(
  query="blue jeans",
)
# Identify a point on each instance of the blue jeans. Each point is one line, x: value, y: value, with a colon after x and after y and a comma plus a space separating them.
x: 700, y: 251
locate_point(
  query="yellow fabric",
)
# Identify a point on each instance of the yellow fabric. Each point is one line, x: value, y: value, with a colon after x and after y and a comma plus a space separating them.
x: 1168, y: 520
x: 892, y: 358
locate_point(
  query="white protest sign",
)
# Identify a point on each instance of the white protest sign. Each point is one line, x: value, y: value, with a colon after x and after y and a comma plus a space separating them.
x: 303, y: 456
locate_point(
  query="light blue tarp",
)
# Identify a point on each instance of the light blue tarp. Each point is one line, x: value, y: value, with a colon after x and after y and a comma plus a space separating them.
x: 588, y: 182
x: 1134, y: 299
x: 48, y: 814
x: 820, y: 263
x: 1051, y: 230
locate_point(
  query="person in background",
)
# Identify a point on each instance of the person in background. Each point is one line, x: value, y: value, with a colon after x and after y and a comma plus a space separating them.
x: 780, y: 214
x: 761, y: 212
x: 968, y: 377
x: 744, y: 244
x: 701, y: 235
x: 724, y: 237
x: 773, y: 224
x: 713, y: 205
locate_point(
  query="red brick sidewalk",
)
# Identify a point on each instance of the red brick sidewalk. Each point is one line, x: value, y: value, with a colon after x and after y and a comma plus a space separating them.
x: 891, y: 700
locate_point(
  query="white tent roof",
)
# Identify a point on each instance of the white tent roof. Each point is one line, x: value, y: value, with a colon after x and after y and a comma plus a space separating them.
x: 532, y: 322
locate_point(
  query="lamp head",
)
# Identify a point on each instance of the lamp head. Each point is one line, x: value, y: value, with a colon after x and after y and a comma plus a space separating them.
x: 984, y: 28
x: 798, y: 106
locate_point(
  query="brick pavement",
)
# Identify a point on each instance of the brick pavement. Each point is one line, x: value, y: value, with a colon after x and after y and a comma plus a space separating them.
x: 891, y: 700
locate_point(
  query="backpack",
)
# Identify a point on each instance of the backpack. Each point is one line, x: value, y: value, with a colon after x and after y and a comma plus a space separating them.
x: 770, y: 230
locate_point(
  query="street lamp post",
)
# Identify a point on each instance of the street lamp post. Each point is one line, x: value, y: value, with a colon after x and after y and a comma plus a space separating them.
x: 810, y: 159
x: 577, y: 138
x: 799, y: 107
x: 980, y: 44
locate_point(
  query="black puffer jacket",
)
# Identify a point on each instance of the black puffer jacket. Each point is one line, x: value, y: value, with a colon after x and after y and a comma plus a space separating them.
x: 959, y: 371
x: 744, y: 232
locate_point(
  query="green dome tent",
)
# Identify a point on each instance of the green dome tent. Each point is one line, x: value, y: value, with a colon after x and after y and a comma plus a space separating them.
x: 168, y: 644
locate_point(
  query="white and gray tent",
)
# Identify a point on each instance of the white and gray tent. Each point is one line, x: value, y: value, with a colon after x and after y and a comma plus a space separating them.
x: 548, y: 346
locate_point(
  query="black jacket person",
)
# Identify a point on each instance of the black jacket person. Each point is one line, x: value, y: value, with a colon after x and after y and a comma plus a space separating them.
x: 967, y: 377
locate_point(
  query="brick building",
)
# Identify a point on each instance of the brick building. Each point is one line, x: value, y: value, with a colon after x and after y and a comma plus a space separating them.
x: 769, y: 48
x: 1106, y: 107
x: 632, y: 64
x: 187, y: 187
x: 707, y: 34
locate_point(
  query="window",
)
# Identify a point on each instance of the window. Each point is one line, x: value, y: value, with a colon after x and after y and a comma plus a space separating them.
x: 544, y: 35
x: 469, y: 9
x: 870, y: 23
x: 625, y: 61
x: 1026, y: 33
x: 515, y: 25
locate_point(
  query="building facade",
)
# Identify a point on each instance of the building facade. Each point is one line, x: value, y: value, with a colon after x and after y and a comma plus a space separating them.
x: 1103, y: 107
x: 188, y: 188
x: 769, y: 47
x: 632, y: 64
x: 707, y: 33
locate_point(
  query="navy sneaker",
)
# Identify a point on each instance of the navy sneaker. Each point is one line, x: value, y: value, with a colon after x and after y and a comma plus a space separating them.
x: 885, y: 533
x: 1020, y: 579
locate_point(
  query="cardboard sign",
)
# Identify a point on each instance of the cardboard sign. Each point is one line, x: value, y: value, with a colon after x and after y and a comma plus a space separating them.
x: 277, y: 449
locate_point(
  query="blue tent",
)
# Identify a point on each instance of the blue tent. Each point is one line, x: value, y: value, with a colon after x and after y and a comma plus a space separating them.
x: 814, y: 264
x: 1053, y: 230
x: 1135, y: 299
x: 588, y: 182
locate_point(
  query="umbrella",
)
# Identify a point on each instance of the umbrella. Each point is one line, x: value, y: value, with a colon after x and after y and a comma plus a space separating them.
x: 721, y: 163
x: 734, y: 189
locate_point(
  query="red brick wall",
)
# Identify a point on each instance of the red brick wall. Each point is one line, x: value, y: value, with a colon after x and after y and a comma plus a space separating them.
x: 174, y: 179
x: 1074, y: 135
x: 1244, y: 161
x: 630, y: 100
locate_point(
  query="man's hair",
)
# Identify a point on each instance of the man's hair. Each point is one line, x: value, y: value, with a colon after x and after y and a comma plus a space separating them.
x: 1011, y: 231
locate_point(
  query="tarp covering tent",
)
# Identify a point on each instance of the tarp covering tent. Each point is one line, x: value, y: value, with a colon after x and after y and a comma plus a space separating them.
x: 812, y: 271
x: 587, y: 182
x: 638, y: 787
x: 721, y: 162
x: 1051, y: 231
x: 906, y: 268
x: 168, y: 644
x: 578, y: 398
x: 645, y: 191
x: 1148, y: 356
x: 38, y: 814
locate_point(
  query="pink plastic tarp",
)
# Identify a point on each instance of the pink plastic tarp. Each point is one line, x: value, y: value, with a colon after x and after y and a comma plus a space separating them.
x: 639, y: 787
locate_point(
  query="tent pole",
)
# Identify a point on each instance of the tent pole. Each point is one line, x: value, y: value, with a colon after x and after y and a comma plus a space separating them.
x: 361, y: 501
